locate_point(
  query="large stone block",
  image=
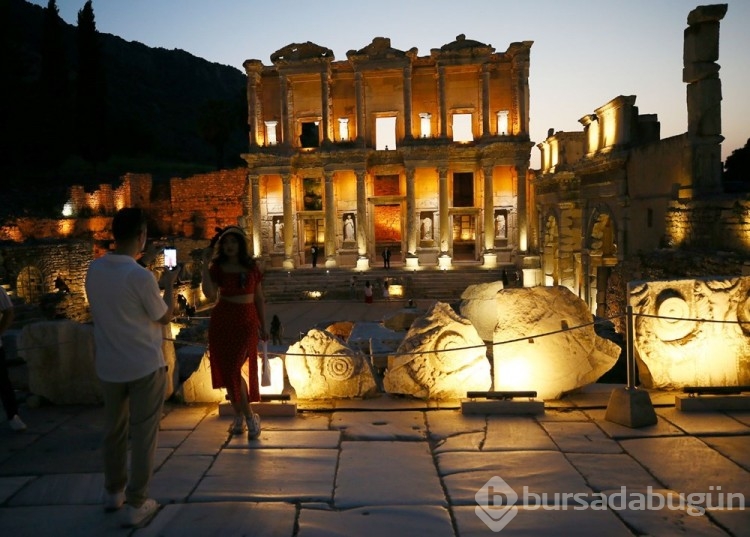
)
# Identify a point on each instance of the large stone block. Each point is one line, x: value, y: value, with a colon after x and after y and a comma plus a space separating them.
x: 688, y: 332
x: 441, y: 357
x: 60, y: 361
x: 478, y: 304
x: 545, y: 341
x: 320, y: 366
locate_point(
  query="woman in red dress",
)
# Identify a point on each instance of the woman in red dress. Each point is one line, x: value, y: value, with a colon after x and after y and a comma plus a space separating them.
x: 237, y: 321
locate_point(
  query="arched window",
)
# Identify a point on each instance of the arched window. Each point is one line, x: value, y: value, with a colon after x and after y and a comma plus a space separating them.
x: 29, y: 285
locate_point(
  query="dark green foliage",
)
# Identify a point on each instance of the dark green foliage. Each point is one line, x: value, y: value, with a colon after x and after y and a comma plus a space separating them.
x: 737, y: 170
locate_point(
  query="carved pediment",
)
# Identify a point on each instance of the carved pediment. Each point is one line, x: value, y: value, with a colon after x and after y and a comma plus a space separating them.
x: 300, y: 52
x: 462, y: 47
x: 379, y: 49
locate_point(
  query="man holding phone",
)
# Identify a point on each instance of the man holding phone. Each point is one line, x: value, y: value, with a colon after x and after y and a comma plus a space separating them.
x: 128, y: 312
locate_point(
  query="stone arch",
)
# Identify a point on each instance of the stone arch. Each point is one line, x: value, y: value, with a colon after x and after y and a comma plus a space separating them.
x: 601, y: 244
x: 30, y: 284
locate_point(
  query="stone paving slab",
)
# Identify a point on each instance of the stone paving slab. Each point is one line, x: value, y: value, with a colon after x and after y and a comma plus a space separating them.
x: 516, y: 434
x: 461, y: 442
x: 741, y: 416
x: 59, y: 520
x: 11, y: 485
x: 223, y: 519
x: 579, y: 437
x: 703, y: 423
x: 616, y: 431
x: 288, y: 439
x: 376, y: 522
x: 387, y: 473
x: 444, y: 424
x: 549, y: 472
x: 543, y: 523
x: 61, y: 489
x: 679, y: 519
x: 735, y: 521
x: 688, y: 465
x: 269, y: 474
x: 603, y: 471
x: 381, y: 425
x: 185, y: 418
x: 176, y: 479
x: 736, y: 448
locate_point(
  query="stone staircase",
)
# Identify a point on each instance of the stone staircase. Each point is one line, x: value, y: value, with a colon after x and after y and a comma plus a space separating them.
x: 335, y: 284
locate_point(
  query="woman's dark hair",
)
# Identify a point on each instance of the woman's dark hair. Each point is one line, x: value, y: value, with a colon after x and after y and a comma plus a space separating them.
x: 242, y: 254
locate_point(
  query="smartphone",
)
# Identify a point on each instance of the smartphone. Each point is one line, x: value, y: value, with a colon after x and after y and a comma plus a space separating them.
x: 170, y: 258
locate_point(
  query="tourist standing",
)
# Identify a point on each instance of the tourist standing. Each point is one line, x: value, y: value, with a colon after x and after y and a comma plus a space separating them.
x: 386, y: 291
x: 237, y: 321
x: 7, y: 395
x: 277, y: 332
x: 368, y: 292
x: 314, y: 255
x: 129, y: 312
x: 386, y: 257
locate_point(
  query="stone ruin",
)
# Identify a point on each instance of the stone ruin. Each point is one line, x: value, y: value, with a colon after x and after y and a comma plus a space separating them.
x: 443, y: 358
x: 321, y: 366
x: 689, y: 332
x: 551, y: 364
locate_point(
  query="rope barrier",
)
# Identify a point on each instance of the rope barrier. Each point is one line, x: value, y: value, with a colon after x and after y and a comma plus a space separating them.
x: 417, y: 353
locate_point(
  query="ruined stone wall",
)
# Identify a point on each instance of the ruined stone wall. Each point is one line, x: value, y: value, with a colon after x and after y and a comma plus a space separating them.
x: 202, y: 202
x: 720, y: 224
x: 69, y: 259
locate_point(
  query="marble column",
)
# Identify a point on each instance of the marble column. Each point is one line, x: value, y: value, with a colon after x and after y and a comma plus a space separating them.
x: 255, y: 211
x: 489, y: 209
x: 287, y: 129
x: 412, y: 229
x: 254, y: 112
x: 486, y: 130
x: 523, y: 224
x: 329, y: 205
x: 325, y: 91
x: 286, y: 180
x: 360, y: 104
x: 441, y: 102
x: 444, y: 220
x: 407, y: 103
x: 361, y: 214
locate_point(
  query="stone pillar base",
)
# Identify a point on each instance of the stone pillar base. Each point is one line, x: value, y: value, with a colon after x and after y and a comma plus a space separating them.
x: 331, y: 262
x: 444, y: 262
x: 490, y: 260
x: 411, y: 262
x: 288, y: 263
x: 363, y: 263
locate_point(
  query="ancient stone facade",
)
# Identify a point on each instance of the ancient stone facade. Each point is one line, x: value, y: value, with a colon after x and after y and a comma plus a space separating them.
x: 616, y: 191
x: 426, y: 155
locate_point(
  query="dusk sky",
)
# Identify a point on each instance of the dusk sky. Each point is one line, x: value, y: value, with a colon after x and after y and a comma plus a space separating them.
x: 585, y: 52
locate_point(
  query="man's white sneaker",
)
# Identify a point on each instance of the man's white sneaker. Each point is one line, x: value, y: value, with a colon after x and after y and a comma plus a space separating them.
x: 253, y: 426
x: 137, y: 517
x: 113, y: 501
x: 238, y: 425
x: 17, y: 424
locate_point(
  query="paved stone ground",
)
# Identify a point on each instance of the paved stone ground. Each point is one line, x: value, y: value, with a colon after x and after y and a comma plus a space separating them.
x: 386, y: 467
x: 391, y: 467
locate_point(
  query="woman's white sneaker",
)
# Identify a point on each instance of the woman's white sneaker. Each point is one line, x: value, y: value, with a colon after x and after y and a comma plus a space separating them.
x: 253, y: 426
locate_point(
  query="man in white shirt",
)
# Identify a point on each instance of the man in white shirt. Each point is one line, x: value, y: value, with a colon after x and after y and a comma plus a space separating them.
x: 7, y: 395
x: 128, y: 311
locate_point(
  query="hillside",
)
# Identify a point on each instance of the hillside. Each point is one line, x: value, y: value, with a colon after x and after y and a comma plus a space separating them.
x: 155, y: 100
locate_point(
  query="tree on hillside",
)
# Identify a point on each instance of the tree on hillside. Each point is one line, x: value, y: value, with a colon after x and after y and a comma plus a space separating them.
x: 737, y: 170
x: 91, y: 90
x: 54, y: 91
